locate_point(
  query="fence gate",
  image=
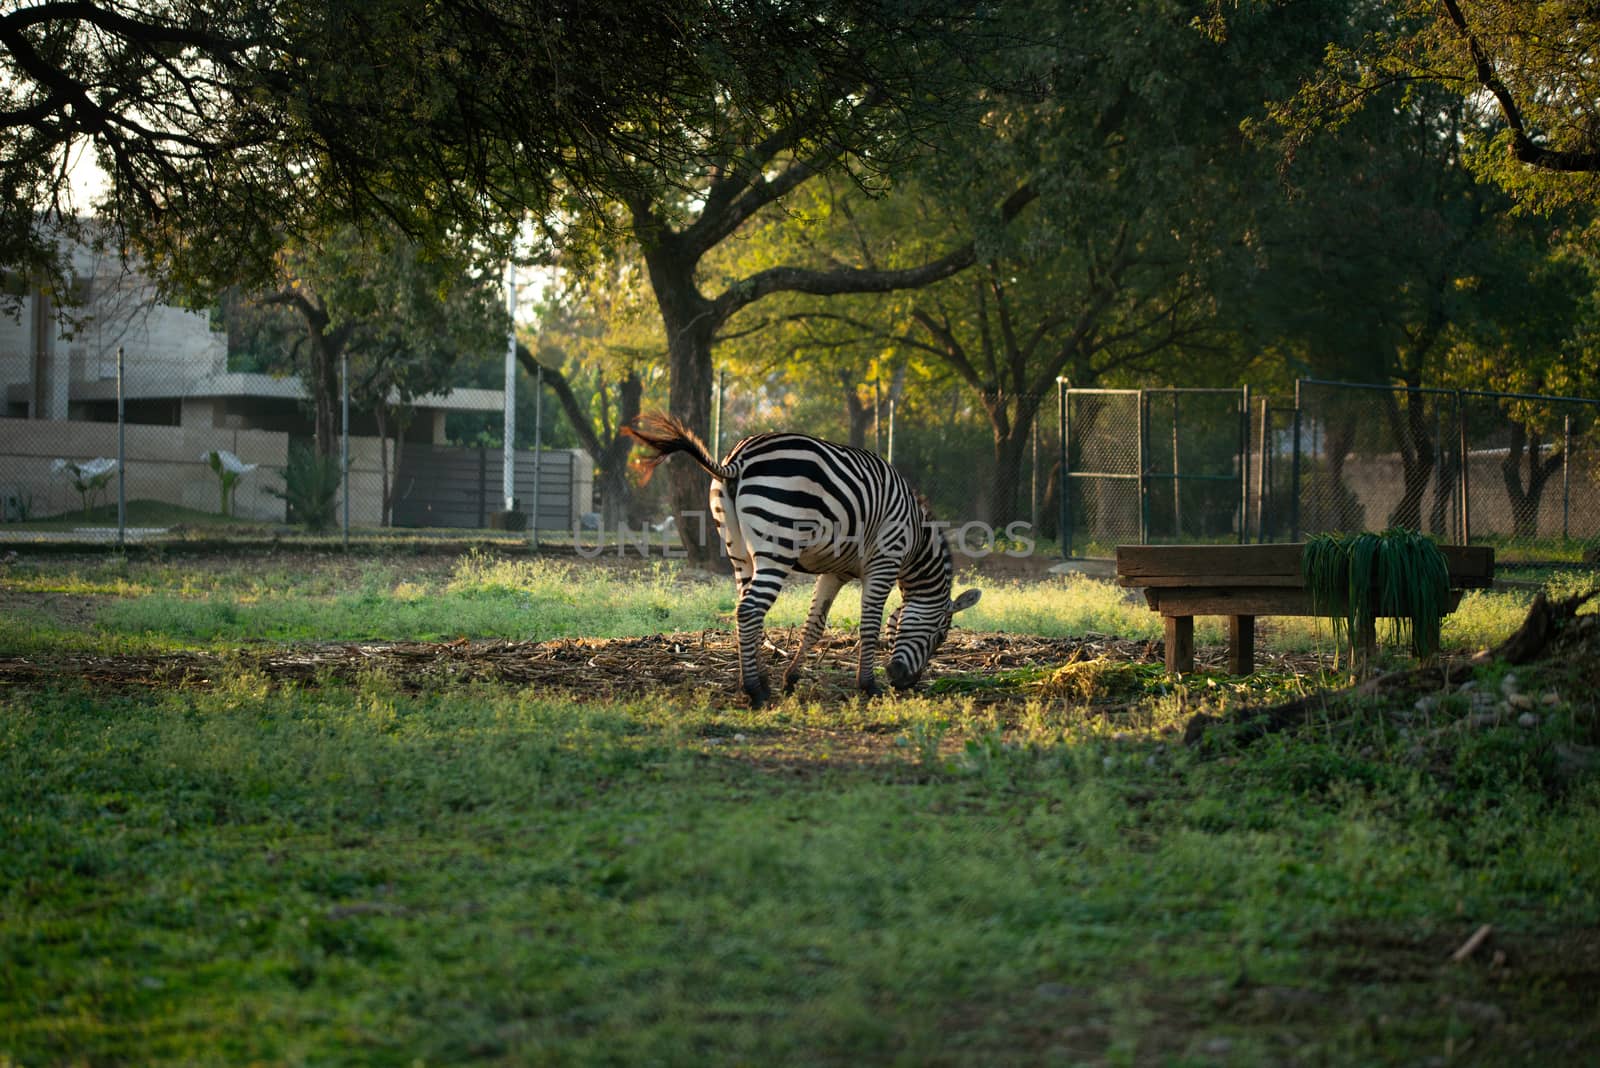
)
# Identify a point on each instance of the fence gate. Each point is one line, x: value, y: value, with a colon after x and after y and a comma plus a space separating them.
x: 460, y: 486
x: 1153, y: 465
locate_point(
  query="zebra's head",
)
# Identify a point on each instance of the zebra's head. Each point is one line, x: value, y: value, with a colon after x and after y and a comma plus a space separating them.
x: 918, y: 627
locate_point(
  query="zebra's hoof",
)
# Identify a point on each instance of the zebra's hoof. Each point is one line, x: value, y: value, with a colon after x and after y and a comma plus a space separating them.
x: 759, y: 693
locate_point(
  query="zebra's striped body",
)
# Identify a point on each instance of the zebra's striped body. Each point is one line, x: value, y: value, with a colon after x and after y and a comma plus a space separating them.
x: 791, y: 502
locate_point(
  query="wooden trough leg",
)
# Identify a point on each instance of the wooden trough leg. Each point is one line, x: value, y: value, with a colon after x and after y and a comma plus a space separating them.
x: 1180, y: 644
x: 1241, y: 644
x: 1366, y: 648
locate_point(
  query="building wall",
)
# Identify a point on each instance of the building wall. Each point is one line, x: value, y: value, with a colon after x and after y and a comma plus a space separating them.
x: 164, y: 347
x: 165, y: 463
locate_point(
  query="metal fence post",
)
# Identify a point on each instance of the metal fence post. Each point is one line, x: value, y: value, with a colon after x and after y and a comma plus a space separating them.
x: 1033, y: 478
x: 538, y: 446
x: 1144, y: 504
x: 1064, y: 487
x: 1466, y: 466
x: 1566, y: 473
x: 1177, y: 475
x: 508, y: 430
x: 1244, y: 463
x: 1263, y: 483
x: 122, y: 459
x: 889, y: 452
x: 1294, y: 471
x: 344, y: 439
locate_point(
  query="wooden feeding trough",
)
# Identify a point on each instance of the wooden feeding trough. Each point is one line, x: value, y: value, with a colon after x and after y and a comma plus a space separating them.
x: 1246, y: 581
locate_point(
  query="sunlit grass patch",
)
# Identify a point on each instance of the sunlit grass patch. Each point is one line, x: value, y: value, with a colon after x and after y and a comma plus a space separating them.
x: 1060, y: 606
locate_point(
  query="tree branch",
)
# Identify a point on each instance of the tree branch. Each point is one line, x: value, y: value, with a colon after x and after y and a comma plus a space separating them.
x: 1523, y: 147
x: 859, y: 280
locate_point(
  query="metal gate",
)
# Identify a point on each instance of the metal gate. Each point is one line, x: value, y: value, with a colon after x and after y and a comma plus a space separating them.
x: 1153, y: 465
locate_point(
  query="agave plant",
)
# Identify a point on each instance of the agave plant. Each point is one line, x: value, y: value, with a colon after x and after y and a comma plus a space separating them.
x: 1356, y: 578
x: 229, y: 469
x: 311, y: 486
x: 88, y: 478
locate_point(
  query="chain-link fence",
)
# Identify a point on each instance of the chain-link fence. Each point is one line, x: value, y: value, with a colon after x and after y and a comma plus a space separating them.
x: 184, y: 433
x: 1518, y: 471
x: 987, y: 468
x: 139, y: 415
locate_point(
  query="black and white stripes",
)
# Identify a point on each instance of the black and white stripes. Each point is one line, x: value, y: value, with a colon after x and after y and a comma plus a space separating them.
x: 791, y: 502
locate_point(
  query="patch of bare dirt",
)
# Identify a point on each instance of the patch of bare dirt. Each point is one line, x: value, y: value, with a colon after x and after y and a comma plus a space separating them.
x: 592, y: 667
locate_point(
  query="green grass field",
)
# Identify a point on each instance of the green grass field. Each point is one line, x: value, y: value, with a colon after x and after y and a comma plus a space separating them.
x: 393, y: 870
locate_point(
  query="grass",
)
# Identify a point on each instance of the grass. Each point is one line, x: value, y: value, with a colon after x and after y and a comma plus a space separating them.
x: 480, y: 595
x: 380, y: 873
x: 360, y: 875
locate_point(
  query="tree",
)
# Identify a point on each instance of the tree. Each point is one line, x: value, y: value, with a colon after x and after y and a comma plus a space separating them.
x: 1548, y: 273
x: 402, y: 318
x: 1141, y: 177
x: 1388, y: 265
x: 595, y: 326
x: 671, y: 122
x: 778, y: 98
x: 1529, y: 61
x: 164, y: 92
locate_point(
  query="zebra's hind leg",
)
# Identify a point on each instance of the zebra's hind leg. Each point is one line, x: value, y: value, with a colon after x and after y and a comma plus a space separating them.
x: 754, y: 602
x: 875, y: 586
x: 821, y: 601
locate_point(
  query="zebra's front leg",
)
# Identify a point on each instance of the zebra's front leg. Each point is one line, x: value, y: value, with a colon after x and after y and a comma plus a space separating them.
x: 875, y: 586
x: 821, y: 602
x: 754, y: 603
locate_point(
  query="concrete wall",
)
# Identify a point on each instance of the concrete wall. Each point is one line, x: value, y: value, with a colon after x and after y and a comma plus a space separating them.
x: 165, y: 464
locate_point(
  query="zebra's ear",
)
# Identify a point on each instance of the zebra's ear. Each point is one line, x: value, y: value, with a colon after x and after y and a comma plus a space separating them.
x: 967, y: 599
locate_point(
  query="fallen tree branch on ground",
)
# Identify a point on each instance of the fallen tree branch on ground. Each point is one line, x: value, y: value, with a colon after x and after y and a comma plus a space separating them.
x: 1545, y: 623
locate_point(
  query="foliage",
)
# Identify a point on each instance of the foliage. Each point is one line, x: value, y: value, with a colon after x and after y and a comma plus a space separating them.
x: 311, y: 485
x: 1523, y: 61
x: 1404, y: 570
x: 162, y: 95
x: 402, y: 314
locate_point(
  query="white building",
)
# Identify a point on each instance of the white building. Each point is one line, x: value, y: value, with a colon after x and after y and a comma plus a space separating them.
x: 58, y: 387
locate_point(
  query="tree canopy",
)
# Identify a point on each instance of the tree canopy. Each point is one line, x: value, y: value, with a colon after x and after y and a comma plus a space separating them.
x: 1529, y: 63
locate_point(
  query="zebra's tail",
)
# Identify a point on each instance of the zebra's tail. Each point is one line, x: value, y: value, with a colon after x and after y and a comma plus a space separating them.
x: 666, y: 436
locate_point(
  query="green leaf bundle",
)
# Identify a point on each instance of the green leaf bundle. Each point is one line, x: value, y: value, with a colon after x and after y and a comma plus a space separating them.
x: 1354, y: 578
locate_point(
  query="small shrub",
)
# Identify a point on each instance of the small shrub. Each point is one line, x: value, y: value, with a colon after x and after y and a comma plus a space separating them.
x: 311, y: 488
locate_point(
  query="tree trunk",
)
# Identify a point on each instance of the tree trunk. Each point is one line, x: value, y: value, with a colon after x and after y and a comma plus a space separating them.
x: 691, y: 324
x: 616, y: 492
x: 1328, y: 502
x: 610, y: 456
x: 1009, y: 448
x: 858, y: 411
x: 325, y: 399
x: 1417, y: 455
x: 1012, y: 436
x: 1525, y: 499
x: 1440, y: 517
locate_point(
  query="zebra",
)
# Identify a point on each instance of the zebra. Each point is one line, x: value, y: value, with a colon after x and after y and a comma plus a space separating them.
x: 787, y: 502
